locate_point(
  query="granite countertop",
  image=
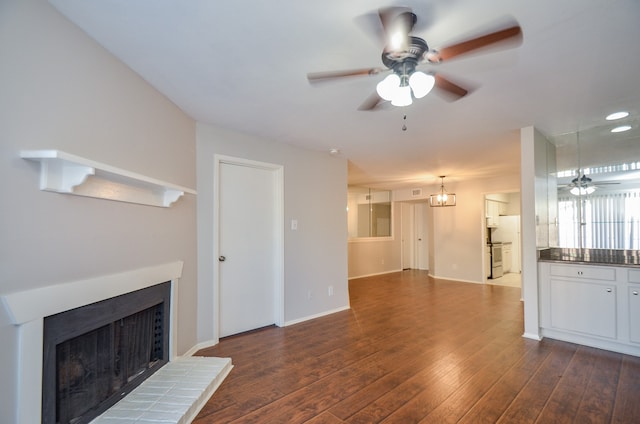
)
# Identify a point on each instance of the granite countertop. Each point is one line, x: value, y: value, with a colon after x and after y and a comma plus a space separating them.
x: 591, y: 256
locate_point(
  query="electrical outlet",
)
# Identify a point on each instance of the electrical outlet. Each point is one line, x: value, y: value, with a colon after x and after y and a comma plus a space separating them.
x: 309, y: 294
x: 330, y: 290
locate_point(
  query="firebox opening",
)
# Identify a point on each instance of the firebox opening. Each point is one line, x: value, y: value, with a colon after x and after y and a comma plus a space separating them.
x: 96, y: 354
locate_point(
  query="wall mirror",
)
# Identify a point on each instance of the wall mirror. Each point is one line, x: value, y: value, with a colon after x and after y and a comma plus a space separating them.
x: 368, y: 212
x: 598, y: 188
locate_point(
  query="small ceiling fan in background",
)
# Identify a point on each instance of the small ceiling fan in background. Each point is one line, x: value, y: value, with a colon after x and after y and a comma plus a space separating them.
x: 404, y: 53
x: 583, y: 185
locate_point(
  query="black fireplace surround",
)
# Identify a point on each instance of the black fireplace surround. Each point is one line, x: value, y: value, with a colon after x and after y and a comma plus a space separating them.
x: 95, y: 354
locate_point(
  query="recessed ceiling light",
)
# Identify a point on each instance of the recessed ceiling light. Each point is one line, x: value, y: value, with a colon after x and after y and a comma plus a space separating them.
x: 621, y: 128
x: 334, y: 151
x: 617, y: 115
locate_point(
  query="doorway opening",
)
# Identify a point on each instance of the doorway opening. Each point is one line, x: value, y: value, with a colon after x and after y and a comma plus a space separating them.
x: 502, y: 257
x: 414, y: 235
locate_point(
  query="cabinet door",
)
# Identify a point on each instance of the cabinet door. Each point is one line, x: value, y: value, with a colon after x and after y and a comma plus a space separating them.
x: 506, y: 259
x: 634, y: 313
x: 492, y: 213
x: 583, y: 307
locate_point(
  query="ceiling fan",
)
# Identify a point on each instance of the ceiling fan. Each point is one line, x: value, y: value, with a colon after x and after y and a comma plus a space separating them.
x: 583, y: 185
x: 404, y: 53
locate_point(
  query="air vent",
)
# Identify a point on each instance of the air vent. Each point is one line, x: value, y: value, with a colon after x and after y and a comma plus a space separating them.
x: 416, y: 192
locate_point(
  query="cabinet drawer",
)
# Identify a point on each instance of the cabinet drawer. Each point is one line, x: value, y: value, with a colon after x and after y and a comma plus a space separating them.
x: 586, y: 271
x: 634, y: 275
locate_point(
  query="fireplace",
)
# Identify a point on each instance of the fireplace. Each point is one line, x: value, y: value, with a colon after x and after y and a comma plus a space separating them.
x: 95, y: 354
x: 27, y: 310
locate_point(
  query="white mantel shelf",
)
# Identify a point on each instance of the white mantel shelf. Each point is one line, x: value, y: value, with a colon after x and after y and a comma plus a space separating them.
x: 62, y: 172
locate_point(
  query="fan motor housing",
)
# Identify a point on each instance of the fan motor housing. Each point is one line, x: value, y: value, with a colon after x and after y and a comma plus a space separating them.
x: 405, y: 59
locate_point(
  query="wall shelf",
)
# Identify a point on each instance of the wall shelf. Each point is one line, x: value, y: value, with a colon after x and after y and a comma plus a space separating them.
x: 62, y: 172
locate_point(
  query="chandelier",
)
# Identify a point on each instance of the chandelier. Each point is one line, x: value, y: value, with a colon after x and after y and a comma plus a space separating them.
x: 443, y: 197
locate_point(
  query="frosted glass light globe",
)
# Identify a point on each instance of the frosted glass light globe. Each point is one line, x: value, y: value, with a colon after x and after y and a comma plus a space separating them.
x: 388, y: 87
x: 421, y: 84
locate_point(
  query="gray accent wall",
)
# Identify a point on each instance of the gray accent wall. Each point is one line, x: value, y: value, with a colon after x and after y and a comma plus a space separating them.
x: 61, y: 90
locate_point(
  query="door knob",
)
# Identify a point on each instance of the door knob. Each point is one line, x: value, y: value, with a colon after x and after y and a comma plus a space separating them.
x: 222, y: 258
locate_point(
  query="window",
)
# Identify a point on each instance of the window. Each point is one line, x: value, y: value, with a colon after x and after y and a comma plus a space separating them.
x: 600, y: 221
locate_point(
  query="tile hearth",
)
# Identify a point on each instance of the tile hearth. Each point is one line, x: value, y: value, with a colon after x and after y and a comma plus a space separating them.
x: 174, y: 394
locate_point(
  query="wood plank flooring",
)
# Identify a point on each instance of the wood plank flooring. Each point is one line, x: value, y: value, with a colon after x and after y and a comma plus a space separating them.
x: 417, y: 350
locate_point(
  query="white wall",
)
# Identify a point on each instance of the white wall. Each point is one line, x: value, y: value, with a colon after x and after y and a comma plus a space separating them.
x: 315, y: 193
x: 371, y: 257
x: 459, y: 231
x: 60, y: 90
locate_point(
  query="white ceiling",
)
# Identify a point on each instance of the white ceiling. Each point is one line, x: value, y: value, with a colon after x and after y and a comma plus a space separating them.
x: 242, y: 65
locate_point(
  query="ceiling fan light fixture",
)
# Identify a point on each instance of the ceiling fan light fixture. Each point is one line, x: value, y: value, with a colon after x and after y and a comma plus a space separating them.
x: 421, y: 84
x: 388, y: 87
x: 582, y: 191
x: 403, y: 96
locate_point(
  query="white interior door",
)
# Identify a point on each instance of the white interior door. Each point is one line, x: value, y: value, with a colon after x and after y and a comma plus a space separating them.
x: 406, y: 224
x: 249, y: 246
x: 422, y: 246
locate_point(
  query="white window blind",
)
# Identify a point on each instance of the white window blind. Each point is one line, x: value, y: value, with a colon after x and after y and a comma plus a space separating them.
x: 600, y: 221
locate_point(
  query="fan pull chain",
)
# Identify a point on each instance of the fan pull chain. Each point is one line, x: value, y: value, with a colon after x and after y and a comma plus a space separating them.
x: 404, y: 123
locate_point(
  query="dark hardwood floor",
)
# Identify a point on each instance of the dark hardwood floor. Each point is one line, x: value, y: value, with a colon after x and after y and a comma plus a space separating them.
x: 413, y: 349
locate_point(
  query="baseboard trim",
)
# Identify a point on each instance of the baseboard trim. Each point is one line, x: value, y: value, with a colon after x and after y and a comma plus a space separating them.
x: 199, y: 346
x: 376, y: 273
x: 322, y: 314
x: 532, y: 336
x: 455, y: 279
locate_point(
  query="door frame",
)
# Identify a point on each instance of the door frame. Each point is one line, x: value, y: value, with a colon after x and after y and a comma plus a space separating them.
x: 278, y: 226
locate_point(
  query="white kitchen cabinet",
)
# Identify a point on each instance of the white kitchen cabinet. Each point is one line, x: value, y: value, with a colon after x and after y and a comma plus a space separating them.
x: 634, y: 313
x: 633, y: 294
x: 493, y: 213
x: 506, y: 257
x: 592, y: 305
x: 583, y: 306
x: 487, y: 261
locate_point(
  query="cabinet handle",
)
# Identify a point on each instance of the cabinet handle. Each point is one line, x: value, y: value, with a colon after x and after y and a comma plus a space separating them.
x: 635, y: 292
x: 608, y: 290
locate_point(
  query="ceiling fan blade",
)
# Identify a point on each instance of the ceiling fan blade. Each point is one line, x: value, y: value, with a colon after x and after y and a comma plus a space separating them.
x: 512, y: 34
x: 329, y: 75
x: 451, y: 91
x: 371, y: 102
